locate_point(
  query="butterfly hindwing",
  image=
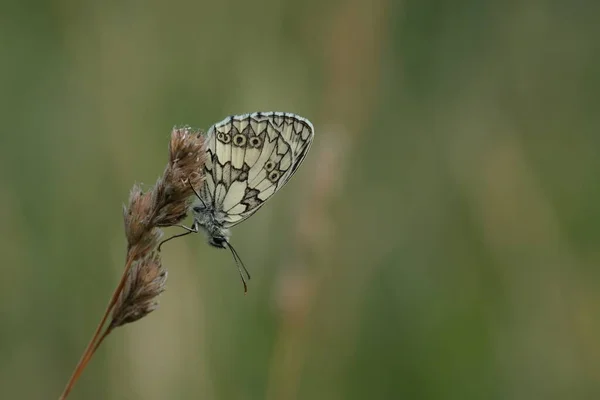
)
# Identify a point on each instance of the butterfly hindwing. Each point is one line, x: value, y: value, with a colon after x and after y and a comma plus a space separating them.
x: 250, y: 157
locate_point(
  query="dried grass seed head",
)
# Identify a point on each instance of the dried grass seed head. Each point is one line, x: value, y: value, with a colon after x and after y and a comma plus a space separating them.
x: 139, y: 230
x: 183, y: 174
x: 145, y: 282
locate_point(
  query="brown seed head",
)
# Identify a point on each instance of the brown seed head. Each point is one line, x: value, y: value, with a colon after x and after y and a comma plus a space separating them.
x: 138, y: 228
x: 145, y: 281
x: 173, y: 191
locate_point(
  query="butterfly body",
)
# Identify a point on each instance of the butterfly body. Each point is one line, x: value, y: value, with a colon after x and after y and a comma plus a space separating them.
x: 249, y: 158
x: 210, y: 221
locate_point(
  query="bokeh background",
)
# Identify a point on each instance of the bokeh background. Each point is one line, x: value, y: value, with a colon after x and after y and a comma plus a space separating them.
x: 439, y: 242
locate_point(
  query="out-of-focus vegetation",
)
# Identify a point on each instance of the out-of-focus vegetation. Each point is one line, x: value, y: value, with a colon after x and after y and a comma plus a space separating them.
x: 441, y: 240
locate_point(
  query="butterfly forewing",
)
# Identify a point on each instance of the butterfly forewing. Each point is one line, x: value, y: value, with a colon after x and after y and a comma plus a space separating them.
x: 250, y: 157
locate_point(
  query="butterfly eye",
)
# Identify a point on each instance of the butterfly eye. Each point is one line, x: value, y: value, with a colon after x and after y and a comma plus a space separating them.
x: 273, y: 176
x: 217, y: 241
x: 255, y: 142
x: 239, y: 140
x: 269, y: 166
x: 197, y: 209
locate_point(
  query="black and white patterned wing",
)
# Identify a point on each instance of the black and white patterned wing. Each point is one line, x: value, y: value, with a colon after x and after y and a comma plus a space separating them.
x: 250, y: 157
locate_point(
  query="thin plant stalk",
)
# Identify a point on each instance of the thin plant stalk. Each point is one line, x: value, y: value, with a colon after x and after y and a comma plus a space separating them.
x: 94, y: 342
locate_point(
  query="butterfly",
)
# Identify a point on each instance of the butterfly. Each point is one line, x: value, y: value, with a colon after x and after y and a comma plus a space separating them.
x: 249, y: 158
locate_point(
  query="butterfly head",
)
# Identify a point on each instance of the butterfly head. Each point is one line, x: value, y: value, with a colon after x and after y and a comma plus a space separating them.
x: 217, y: 241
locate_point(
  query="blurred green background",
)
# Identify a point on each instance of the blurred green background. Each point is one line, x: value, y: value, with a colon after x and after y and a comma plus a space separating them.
x: 439, y: 242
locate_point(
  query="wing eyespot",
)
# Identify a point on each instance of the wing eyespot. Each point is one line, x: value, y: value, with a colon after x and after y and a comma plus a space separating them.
x: 269, y: 166
x: 224, y: 137
x: 255, y: 142
x: 274, y: 176
x: 239, y: 140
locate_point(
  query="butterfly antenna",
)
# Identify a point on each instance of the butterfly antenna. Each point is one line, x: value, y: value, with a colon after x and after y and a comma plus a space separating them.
x: 196, y: 193
x: 240, y: 265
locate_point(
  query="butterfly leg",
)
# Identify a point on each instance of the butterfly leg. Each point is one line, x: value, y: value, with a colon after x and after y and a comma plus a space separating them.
x: 193, y: 229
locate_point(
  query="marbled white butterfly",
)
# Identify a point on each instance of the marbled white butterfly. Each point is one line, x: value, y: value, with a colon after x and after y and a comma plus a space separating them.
x: 248, y: 159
